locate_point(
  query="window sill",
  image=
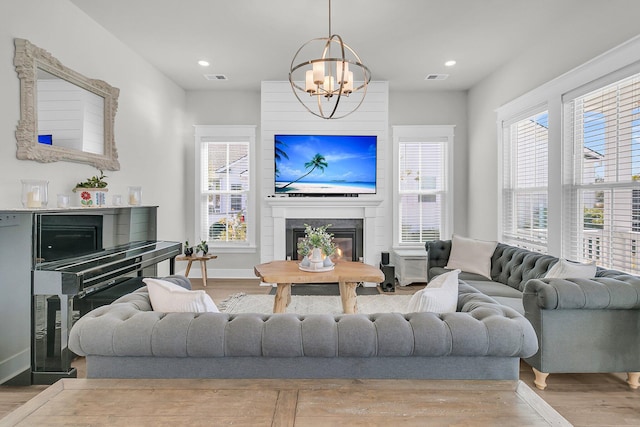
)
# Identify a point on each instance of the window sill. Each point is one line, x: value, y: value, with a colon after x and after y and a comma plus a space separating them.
x: 233, y: 250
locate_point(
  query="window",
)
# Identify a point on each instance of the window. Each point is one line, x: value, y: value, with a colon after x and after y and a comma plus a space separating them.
x: 525, y: 178
x: 423, y: 196
x: 224, y: 197
x: 604, y: 136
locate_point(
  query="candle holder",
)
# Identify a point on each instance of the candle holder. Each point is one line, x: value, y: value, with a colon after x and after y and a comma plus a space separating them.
x: 34, y: 193
x: 135, y: 196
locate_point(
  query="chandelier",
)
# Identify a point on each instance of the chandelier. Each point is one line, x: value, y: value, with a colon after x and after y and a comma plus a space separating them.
x: 336, y: 74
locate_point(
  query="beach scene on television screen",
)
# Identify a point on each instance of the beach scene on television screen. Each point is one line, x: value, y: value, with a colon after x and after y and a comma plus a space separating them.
x: 325, y: 164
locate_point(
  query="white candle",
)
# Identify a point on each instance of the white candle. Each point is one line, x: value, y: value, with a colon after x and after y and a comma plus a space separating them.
x: 309, y: 86
x: 318, y: 73
x: 33, y: 199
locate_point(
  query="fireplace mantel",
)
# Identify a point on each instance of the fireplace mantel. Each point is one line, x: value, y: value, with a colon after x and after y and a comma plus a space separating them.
x: 283, y: 208
x: 312, y: 202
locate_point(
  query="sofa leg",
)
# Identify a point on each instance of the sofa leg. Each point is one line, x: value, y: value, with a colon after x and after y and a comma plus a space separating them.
x: 541, y: 379
x: 633, y: 379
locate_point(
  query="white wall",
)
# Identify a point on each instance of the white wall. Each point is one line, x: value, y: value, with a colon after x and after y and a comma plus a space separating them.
x: 220, y: 108
x: 149, y: 128
x: 594, y: 31
x: 439, y: 108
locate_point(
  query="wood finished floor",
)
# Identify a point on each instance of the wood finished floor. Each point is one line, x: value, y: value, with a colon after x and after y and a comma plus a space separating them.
x: 583, y: 399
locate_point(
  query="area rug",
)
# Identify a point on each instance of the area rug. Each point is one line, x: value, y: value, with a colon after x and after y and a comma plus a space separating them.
x: 326, y: 289
x: 307, y: 304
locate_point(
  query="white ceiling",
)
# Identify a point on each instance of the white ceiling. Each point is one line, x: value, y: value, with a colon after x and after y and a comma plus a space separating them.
x: 401, y: 41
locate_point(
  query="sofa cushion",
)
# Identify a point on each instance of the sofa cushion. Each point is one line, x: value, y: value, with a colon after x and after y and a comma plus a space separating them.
x: 494, y: 289
x: 439, y: 296
x: 470, y: 255
x: 168, y: 297
x: 564, y: 269
x: 435, y: 271
x: 515, y: 303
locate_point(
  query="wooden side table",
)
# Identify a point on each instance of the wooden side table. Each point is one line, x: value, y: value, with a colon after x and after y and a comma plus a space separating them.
x: 203, y: 264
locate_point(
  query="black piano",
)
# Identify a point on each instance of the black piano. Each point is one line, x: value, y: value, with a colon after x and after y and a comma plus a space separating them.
x: 66, y: 289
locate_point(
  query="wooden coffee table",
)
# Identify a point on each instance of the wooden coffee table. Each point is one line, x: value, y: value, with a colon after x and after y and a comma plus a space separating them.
x: 347, y: 274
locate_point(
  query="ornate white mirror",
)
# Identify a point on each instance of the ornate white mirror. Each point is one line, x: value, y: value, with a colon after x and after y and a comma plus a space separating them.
x: 63, y: 114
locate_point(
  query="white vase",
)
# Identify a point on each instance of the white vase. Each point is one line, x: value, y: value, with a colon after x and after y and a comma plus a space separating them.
x: 316, y: 259
x: 305, y: 261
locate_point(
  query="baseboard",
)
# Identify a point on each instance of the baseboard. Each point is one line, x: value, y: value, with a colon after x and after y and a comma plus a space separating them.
x: 220, y: 273
x: 12, y: 367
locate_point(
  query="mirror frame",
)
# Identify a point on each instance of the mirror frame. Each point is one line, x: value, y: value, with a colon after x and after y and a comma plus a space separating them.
x: 27, y: 60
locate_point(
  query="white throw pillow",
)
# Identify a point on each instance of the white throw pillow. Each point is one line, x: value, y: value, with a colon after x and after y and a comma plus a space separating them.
x: 564, y: 269
x: 168, y: 297
x: 439, y: 296
x: 471, y: 256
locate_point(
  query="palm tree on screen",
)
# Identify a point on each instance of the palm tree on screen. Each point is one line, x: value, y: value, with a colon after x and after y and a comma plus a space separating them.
x: 318, y: 162
x: 279, y: 154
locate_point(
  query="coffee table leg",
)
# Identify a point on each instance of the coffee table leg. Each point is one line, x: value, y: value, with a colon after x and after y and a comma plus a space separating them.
x: 348, y: 296
x: 283, y: 297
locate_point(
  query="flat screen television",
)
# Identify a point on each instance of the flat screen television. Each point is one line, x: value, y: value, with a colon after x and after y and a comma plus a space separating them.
x: 325, y: 164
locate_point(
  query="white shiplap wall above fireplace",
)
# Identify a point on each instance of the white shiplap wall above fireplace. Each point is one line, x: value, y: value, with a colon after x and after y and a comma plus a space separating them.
x: 281, y: 114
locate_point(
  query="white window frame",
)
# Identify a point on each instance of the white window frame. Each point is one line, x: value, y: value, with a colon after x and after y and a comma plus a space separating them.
x: 425, y: 133
x: 617, y: 63
x: 222, y: 133
x: 614, y: 245
x: 508, y: 171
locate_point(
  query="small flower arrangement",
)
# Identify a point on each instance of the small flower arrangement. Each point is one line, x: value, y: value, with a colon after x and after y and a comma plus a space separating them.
x: 316, y: 237
x: 93, y: 191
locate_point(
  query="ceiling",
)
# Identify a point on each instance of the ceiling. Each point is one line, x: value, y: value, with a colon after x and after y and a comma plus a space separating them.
x: 401, y: 41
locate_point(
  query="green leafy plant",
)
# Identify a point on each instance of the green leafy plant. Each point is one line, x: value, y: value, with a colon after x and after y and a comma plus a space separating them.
x: 94, y: 182
x: 316, y: 237
x: 203, y: 247
x: 188, y: 249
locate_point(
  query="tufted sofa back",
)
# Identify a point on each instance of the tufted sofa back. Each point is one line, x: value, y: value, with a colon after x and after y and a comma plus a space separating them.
x: 515, y: 266
x: 510, y: 265
x: 128, y: 327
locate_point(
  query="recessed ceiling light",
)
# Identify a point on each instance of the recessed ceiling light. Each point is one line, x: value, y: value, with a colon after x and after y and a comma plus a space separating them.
x: 450, y: 63
x: 203, y: 63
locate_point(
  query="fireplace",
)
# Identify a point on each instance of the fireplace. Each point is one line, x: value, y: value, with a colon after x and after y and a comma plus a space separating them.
x: 347, y: 235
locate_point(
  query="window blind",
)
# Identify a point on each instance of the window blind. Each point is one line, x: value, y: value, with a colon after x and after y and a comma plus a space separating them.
x: 525, y: 182
x: 604, y: 193
x: 224, y: 191
x: 422, y: 190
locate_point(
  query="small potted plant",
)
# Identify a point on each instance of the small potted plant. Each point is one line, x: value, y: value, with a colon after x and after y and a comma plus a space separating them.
x: 203, y: 247
x: 93, y: 191
x: 188, y: 249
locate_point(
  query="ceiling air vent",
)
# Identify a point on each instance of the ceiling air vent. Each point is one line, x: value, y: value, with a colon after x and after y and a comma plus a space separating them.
x: 436, y: 77
x: 215, y: 77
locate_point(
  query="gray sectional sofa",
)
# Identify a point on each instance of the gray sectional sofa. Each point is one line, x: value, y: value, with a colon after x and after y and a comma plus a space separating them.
x: 582, y: 325
x: 126, y: 339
